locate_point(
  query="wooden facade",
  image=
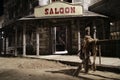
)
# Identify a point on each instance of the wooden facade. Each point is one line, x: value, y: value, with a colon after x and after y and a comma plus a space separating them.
x: 42, y: 36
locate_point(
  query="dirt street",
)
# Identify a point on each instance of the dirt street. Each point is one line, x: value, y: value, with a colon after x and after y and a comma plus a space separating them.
x: 37, y: 69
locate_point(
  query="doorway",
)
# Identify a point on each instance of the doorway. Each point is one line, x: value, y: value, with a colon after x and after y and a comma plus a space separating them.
x: 61, y: 40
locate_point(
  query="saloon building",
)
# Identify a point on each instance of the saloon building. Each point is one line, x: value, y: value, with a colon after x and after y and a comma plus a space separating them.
x: 44, y: 27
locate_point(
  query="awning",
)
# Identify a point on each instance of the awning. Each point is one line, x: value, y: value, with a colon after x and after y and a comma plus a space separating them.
x: 86, y: 14
x: 109, y: 8
x: 60, y: 9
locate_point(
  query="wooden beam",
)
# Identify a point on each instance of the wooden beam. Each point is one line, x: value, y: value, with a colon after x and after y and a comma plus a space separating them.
x: 24, y: 40
x: 107, y: 41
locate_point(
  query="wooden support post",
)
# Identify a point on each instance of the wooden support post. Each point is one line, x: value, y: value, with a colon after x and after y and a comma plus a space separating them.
x: 50, y: 1
x: 79, y: 37
x: 94, y: 34
x: 5, y: 51
x: 37, y: 42
x: 6, y: 47
x: 95, y: 46
x: 94, y: 29
x: 79, y: 41
x: 24, y: 40
x: 99, y: 54
x: 15, y: 41
x: 3, y: 43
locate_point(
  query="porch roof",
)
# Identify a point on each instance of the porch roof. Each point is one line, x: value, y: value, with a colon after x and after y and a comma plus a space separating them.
x: 86, y: 14
x: 109, y: 8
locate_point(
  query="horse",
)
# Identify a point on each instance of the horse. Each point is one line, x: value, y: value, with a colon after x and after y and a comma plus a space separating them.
x: 88, y: 46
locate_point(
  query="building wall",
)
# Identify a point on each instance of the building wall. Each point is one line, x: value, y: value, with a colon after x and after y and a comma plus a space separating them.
x: 44, y: 40
x: 15, y: 9
x: 1, y: 21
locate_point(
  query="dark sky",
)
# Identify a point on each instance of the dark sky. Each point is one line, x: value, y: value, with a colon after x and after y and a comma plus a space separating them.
x: 1, y: 7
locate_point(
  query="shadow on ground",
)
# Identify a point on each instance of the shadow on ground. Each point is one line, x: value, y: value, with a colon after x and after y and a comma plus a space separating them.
x: 71, y: 71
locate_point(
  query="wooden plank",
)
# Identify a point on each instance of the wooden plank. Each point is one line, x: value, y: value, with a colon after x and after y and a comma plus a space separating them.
x: 107, y: 41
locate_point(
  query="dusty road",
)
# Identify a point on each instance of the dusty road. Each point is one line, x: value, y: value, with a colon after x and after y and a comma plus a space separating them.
x: 37, y: 69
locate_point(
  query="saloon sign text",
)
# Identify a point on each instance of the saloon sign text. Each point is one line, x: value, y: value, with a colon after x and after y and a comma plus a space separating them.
x: 58, y: 9
x: 61, y: 10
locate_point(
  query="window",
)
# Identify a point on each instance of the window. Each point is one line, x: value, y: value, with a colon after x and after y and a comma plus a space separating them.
x: 56, y: 0
x: 77, y: 1
x: 44, y: 2
x: 70, y: 1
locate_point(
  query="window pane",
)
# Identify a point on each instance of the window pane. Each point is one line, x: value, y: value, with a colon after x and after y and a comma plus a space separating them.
x: 56, y: 0
x: 75, y: 1
x: 70, y: 1
x: 43, y: 2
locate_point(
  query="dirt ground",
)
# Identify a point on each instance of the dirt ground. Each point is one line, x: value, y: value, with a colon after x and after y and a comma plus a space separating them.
x: 37, y: 69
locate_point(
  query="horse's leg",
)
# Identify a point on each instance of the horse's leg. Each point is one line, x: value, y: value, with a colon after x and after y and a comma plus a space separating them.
x: 87, y: 60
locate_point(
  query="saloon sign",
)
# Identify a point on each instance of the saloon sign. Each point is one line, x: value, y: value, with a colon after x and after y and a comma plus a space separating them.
x: 58, y: 9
